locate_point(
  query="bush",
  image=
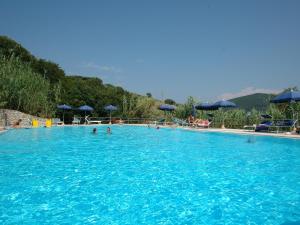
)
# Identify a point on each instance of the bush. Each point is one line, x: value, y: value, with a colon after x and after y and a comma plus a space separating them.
x: 22, y: 89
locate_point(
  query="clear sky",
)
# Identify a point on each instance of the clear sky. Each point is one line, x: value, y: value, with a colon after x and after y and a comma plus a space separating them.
x: 173, y: 49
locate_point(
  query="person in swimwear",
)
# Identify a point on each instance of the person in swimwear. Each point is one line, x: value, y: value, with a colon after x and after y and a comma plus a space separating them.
x: 108, y: 130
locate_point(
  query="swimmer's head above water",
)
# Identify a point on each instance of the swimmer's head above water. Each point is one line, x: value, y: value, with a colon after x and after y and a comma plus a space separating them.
x: 108, y: 130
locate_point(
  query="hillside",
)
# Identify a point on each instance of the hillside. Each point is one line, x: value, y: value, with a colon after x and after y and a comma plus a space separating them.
x: 259, y: 101
x: 36, y: 86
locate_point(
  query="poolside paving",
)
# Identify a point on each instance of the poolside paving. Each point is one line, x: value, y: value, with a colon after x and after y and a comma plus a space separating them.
x: 246, y: 132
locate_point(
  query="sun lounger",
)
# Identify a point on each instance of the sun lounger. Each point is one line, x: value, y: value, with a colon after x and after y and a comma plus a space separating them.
x: 76, y: 121
x: 287, y: 125
x: 160, y: 122
x: 92, y: 120
x: 250, y: 127
x: 180, y: 122
x: 263, y: 126
x: 276, y: 125
x: 57, y: 122
x: 201, y: 123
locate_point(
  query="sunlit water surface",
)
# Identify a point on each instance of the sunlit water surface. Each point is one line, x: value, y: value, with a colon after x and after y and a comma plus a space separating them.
x: 140, y: 175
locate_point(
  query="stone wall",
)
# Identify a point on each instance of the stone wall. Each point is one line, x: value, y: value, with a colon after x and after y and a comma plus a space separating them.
x: 8, y: 117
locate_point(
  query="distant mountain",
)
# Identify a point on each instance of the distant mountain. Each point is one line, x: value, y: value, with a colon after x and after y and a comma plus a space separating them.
x: 259, y: 101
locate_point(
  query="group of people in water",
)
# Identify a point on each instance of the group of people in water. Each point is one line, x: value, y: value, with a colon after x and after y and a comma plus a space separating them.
x: 108, y: 130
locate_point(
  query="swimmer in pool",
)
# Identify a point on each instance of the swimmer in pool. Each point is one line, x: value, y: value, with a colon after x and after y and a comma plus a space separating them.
x: 251, y: 140
x: 108, y: 130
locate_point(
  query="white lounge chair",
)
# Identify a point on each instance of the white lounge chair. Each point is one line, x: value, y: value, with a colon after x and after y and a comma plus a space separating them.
x: 57, y: 122
x: 76, y: 121
x: 92, y: 120
x: 250, y: 127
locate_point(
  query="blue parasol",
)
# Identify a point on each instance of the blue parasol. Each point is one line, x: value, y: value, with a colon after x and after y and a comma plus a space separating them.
x: 110, y: 108
x: 167, y: 107
x: 86, y: 108
x: 291, y: 96
x: 266, y: 116
x: 63, y: 108
x: 206, y: 106
x: 287, y: 97
x: 224, y: 104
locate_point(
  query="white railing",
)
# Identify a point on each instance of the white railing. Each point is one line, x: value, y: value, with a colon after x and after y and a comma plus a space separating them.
x: 119, y: 120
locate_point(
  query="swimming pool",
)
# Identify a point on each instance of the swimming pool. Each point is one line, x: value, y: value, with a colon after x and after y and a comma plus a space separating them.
x: 137, y: 175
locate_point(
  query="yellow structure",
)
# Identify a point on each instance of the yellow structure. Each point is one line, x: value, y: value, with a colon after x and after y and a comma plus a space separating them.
x: 35, y: 123
x: 48, y: 123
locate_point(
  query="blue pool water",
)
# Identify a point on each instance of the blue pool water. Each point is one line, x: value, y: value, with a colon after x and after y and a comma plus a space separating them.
x: 137, y: 175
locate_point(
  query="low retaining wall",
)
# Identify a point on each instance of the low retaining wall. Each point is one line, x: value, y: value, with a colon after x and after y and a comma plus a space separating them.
x: 8, y: 117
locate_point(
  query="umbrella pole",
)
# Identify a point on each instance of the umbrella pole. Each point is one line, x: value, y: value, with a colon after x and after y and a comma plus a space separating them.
x: 109, y: 117
x: 223, y: 119
x: 223, y: 123
x: 64, y: 117
x: 293, y: 115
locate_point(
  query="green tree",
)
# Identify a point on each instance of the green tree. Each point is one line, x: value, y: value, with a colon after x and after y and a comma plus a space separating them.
x: 48, y: 70
x: 22, y: 89
x: 10, y: 48
x: 146, y: 108
x: 185, y: 110
x: 170, y: 101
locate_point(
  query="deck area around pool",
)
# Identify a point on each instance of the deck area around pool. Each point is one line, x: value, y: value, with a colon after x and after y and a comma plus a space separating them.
x: 246, y: 132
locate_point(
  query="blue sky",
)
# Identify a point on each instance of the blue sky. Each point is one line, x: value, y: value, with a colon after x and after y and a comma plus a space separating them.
x: 173, y: 49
